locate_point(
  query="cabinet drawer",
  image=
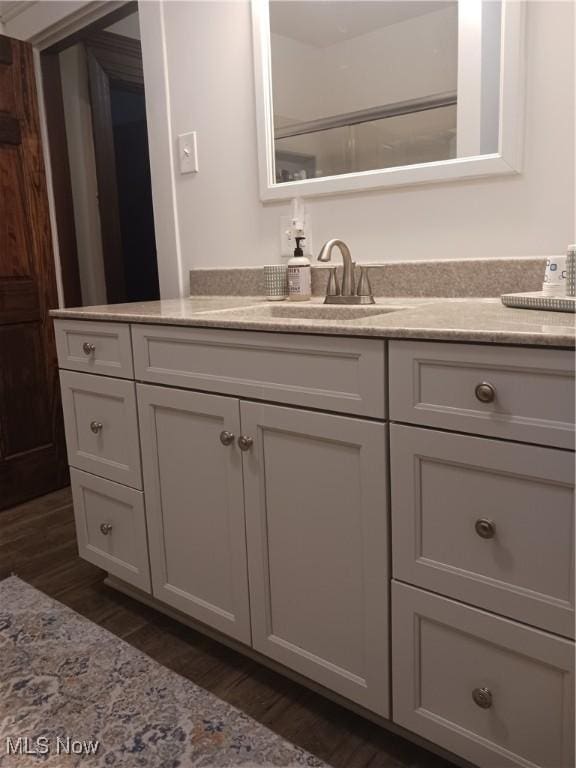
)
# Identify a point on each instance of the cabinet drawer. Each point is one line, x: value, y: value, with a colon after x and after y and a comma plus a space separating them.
x: 495, y: 692
x: 103, y: 348
x: 529, y: 394
x: 102, y: 426
x: 487, y: 522
x: 111, y: 527
x: 345, y: 375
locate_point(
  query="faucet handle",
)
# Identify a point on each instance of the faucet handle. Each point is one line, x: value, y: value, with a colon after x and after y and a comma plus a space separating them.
x: 333, y: 288
x: 364, y: 287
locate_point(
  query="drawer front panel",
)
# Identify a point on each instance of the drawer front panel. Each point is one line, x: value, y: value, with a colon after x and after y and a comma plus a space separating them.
x: 111, y: 527
x: 102, y: 426
x: 345, y: 375
x: 529, y: 397
x: 492, y: 691
x: 103, y: 348
x: 487, y: 522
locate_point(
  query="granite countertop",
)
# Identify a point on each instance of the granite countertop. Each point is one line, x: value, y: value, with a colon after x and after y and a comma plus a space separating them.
x: 463, y: 319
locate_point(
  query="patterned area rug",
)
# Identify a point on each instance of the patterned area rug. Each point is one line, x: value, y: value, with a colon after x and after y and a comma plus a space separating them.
x: 73, y: 694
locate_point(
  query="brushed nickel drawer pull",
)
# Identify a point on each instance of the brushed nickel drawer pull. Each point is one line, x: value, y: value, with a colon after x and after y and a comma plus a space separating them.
x: 226, y: 438
x: 485, y: 392
x: 486, y: 529
x: 96, y: 426
x: 106, y: 528
x: 245, y: 443
x: 88, y: 348
x: 482, y: 697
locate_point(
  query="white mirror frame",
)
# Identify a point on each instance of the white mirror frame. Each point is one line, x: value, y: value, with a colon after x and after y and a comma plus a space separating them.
x: 511, y: 119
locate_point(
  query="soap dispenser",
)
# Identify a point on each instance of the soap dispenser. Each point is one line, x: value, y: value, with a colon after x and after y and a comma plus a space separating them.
x: 299, y: 275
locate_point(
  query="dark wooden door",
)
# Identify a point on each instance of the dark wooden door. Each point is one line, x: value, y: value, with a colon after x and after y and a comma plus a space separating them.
x: 32, y: 450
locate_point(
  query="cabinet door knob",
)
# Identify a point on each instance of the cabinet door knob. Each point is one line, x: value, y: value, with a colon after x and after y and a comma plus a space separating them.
x: 482, y: 697
x: 96, y: 426
x: 245, y: 443
x: 486, y: 529
x: 106, y: 528
x: 88, y: 348
x: 485, y: 392
x: 226, y: 438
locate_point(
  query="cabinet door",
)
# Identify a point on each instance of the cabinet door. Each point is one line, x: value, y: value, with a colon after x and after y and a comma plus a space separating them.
x: 194, y: 503
x: 316, y: 517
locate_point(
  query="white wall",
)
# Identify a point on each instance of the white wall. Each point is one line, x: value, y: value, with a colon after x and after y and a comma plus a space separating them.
x: 221, y: 221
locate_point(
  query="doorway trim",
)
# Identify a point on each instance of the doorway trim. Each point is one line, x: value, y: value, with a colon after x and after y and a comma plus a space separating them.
x: 48, y: 25
x: 174, y: 279
x: 75, y: 27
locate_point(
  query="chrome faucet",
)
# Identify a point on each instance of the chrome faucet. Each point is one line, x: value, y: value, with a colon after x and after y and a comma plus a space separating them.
x: 347, y: 294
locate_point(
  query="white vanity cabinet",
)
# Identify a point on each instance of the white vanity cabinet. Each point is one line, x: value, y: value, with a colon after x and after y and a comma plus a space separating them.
x: 305, y: 496
x: 277, y: 488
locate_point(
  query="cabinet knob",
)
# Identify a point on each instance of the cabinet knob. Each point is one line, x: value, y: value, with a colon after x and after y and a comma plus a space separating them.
x: 245, y: 443
x: 88, y: 348
x: 485, y: 392
x: 486, y: 529
x: 482, y: 697
x: 106, y: 528
x: 226, y: 438
x: 96, y: 426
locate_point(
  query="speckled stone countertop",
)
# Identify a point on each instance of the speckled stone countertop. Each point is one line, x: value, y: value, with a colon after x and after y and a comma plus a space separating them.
x: 465, y: 319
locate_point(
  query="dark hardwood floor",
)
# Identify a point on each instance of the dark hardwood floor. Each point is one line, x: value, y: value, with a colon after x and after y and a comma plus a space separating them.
x: 37, y: 543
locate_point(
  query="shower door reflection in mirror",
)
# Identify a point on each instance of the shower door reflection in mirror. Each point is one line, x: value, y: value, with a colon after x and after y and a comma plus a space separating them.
x: 362, y: 84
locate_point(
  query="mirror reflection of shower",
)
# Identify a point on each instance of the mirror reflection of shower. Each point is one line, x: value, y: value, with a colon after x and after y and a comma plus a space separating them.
x: 359, y: 85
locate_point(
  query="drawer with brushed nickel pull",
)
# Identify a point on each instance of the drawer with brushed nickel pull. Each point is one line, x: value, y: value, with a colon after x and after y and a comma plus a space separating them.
x: 485, y: 521
x: 102, y: 426
x: 103, y: 348
x: 513, y: 393
x: 111, y: 527
x: 491, y: 690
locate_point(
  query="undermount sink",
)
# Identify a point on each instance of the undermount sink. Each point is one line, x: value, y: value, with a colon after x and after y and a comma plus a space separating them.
x: 313, y: 312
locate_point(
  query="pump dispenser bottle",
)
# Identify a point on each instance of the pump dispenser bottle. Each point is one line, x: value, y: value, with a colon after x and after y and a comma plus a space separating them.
x: 299, y: 275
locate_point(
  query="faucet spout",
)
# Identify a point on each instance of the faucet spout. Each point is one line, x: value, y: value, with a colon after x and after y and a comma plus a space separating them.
x: 348, y: 267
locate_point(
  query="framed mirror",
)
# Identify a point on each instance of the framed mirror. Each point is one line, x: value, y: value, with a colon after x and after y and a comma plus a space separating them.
x: 361, y: 94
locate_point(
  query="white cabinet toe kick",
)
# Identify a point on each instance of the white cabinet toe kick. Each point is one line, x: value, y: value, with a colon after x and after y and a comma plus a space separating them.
x: 276, y: 490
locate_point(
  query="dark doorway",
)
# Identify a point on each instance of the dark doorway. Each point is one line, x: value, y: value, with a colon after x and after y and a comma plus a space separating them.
x: 134, y: 193
x: 122, y: 167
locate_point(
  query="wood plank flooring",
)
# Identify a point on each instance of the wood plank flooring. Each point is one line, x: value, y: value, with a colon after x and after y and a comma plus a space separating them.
x: 37, y: 543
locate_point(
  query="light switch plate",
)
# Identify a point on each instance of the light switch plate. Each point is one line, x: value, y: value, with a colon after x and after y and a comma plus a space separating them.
x: 188, y: 152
